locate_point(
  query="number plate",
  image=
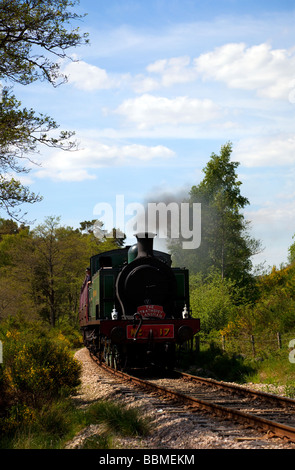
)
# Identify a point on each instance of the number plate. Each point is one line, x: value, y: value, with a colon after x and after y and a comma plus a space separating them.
x: 158, y: 331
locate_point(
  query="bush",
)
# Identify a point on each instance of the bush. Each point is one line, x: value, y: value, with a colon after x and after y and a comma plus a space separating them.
x: 36, y: 368
x: 46, y: 428
x: 41, y: 370
x: 37, y: 371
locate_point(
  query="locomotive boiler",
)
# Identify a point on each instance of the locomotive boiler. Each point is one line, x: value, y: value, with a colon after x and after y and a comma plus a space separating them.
x: 134, y: 307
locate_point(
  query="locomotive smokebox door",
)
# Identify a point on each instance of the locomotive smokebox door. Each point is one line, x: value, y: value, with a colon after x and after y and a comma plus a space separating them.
x: 146, y: 280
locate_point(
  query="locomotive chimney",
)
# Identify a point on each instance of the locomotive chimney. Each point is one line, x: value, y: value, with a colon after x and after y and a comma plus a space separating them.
x: 145, y: 243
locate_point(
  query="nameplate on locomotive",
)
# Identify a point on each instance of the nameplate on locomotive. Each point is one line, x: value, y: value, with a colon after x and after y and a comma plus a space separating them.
x: 147, y: 311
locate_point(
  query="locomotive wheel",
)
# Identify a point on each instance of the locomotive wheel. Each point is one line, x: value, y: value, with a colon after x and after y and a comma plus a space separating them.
x: 107, y: 354
x: 113, y: 358
x: 116, y: 358
x: 119, y: 359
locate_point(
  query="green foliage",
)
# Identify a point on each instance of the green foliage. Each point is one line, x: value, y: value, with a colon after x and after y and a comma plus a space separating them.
x: 37, y: 368
x: 56, y: 423
x: 223, y: 366
x: 126, y: 421
x: 28, y: 29
x: 274, y: 307
x: 291, y: 250
x: 37, y: 374
x: 21, y: 131
x: 36, y: 380
x: 101, y: 440
x: 212, y: 300
x: 225, y: 242
x: 275, y: 370
x: 41, y: 271
x: 44, y: 428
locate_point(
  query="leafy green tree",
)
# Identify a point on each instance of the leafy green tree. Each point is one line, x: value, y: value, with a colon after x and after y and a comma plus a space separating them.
x: 291, y: 256
x: 111, y: 240
x: 226, y: 245
x: 47, y: 263
x: 32, y: 32
x: 21, y: 131
x: 34, y: 36
x: 8, y: 226
x: 16, y: 271
x: 61, y: 256
x: 41, y: 271
x: 212, y: 300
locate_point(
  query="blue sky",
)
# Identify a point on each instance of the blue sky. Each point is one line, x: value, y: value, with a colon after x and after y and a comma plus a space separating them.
x: 161, y: 86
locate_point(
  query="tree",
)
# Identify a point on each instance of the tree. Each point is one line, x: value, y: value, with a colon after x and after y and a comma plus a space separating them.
x: 61, y: 255
x: 32, y: 32
x: 21, y: 131
x: 212, y: 300
x: 225, y: 243
x: 42, y: 270
x: 111, y: 240
x: 29, y: 30
x: 8, y: 227
x: 291, y: 249
x: 47, y: 266
x: 16, y: 270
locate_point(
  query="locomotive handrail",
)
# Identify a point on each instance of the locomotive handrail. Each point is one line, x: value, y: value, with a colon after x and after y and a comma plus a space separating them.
x: 134, y: 324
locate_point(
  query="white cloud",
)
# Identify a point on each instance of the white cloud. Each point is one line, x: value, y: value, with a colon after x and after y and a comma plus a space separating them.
x: 149, y: 111
x: 274, y: 224
x: 143, y: 84
x: 268, y: 71
x: 266, y: 151
x: 165, y: 73
x: 77, y: 166
x: 174, y: 70
x: 88, y: 77
x: 278, y: 215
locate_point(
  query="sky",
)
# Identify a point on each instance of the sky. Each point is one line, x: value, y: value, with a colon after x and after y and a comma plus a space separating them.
x: 162, y: 85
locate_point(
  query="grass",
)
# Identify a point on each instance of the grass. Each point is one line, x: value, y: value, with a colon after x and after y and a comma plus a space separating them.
x: 276, y: 370
x: 271, y: 367
x: 213, y: 362
x: 56, y: 424
x: 127, y: 421
x: 101, y: 440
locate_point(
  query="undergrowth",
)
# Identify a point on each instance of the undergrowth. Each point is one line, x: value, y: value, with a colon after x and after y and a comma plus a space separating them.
x: 54, y: 425
x: 272, y: 368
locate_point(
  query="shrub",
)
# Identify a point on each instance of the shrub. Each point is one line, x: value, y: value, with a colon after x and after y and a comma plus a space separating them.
x: 42, y: 370
x: 36, y: 367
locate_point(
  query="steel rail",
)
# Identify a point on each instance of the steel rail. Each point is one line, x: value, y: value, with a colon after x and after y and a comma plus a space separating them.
x: 239, y: 388
x: 272, y: 428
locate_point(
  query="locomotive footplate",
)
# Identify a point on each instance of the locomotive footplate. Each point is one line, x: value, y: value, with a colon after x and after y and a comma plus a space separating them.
x: 176, y: 330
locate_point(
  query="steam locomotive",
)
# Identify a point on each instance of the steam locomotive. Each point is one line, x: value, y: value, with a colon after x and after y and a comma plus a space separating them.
x: 134, y: 307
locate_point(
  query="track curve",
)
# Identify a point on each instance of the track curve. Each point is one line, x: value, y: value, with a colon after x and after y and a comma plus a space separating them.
x: 271, y: 414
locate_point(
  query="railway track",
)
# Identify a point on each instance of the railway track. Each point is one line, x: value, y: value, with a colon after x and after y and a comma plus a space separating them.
x: 270, y: 414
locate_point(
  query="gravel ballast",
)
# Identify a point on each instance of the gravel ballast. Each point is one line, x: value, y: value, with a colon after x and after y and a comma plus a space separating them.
x: 171, y: 427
